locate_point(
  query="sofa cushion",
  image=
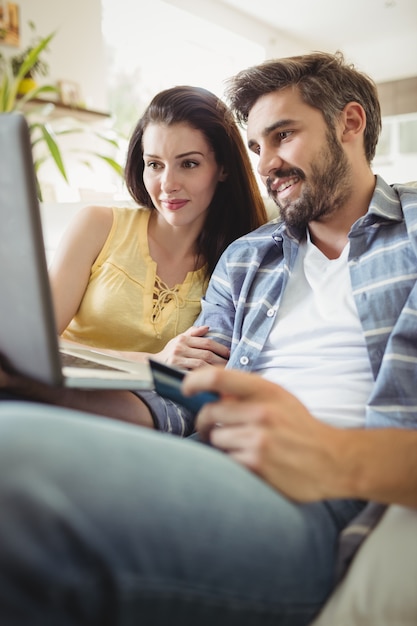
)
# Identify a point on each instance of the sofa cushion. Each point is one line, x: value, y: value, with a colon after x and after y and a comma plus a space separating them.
x: 380, y: 588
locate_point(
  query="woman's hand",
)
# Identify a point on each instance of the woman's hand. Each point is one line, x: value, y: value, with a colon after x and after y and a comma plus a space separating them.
x: 117, y: 404
x: 192, y: 350
x: 266, y: 429
x: 189, y: 350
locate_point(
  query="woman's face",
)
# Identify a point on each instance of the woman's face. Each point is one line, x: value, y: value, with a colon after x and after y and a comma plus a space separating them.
x: 180, y: 172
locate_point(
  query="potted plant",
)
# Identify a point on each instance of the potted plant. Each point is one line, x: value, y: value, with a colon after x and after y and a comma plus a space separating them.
x: 13, y: 70
x: 40, y: 66
x: 18, y: 88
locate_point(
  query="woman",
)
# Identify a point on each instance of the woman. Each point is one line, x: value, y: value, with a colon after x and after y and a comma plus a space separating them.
x: 131, y: 279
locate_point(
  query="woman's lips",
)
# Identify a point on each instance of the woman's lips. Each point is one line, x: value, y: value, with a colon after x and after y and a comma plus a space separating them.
x: 173, y: 205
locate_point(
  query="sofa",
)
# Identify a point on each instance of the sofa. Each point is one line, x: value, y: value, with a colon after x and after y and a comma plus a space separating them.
x: 380, y: 587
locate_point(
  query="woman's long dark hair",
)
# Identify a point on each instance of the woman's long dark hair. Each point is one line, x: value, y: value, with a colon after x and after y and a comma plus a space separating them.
x: 237, y: 206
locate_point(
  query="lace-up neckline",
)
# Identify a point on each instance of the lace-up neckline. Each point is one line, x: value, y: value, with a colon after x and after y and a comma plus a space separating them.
x: 162, y: 295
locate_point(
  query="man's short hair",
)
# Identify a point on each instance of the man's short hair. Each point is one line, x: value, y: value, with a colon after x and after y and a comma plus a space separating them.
x: 325, y: 82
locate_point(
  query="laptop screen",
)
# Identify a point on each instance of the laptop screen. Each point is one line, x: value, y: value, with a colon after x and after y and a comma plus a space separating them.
x: 27, y: 327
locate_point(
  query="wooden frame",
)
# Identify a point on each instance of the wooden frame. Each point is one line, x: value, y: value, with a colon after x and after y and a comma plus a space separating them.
x: 69, y: 93
x: 9, y: 23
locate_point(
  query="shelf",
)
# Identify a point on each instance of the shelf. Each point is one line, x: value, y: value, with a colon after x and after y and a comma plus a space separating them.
x: 58, y: 110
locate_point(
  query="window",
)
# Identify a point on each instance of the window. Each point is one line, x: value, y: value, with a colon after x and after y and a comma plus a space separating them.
x: 161, y: 46
x: 396, y: 155
x: 150, y: 46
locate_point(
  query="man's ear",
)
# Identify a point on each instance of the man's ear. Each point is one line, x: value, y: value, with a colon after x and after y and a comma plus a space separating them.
x: 353, y: 121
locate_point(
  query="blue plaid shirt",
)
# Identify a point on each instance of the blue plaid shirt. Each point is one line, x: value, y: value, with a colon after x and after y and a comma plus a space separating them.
x: 246, y: 288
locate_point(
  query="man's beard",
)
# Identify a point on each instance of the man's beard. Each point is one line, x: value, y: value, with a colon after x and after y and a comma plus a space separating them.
x: 328, y: 190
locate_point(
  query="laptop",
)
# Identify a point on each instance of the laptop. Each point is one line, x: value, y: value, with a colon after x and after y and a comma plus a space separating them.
x: 28, y: 337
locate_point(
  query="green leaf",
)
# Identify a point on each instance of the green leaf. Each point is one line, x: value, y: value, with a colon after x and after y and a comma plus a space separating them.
x: 87, y: 164
x: 119, y: 169
x: 113, y: 164
x: 39, y: 138
x: 53, y: 149
x: 26, y: 66
x: 38, y: 162
x: 6, y: 85
x: 34, y: 93
x: 33, y: 56
x: 109, y: 140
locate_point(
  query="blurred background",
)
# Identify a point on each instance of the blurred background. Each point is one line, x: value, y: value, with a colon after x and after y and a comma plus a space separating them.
x: 107, y: 58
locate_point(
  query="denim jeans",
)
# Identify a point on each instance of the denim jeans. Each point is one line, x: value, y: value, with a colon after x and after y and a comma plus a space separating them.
x: 105, y: 523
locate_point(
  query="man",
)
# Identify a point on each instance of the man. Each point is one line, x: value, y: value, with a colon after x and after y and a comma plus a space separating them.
x: 108, y: 523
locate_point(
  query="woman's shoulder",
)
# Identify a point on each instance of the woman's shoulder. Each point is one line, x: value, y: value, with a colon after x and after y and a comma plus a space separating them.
x: 112, y: 222
x: 116, y: 216
x: 91, y: 219
x: 94, y: 215
x: 101, y: 211
x: 130, y: 213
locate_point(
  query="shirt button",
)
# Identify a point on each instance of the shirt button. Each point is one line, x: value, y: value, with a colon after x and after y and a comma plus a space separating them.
x: 270, y: 312
x: 244, y: 360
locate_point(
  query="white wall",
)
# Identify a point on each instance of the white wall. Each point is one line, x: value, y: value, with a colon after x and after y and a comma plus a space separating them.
x: 275, y: 44
x: 399, y: 54
x: 77, y: 51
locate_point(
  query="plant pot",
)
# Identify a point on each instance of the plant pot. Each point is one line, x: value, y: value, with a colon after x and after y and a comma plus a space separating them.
x: 26, y: 85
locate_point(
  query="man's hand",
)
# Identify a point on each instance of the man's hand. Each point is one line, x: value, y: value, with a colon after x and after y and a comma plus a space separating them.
x: 192, y: 349
x: 265, y: 428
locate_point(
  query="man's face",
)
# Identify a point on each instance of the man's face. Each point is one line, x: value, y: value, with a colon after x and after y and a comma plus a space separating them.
x: 301, y: 160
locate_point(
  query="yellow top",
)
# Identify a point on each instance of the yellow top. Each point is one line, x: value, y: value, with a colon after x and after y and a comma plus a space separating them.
x: 126, y: 306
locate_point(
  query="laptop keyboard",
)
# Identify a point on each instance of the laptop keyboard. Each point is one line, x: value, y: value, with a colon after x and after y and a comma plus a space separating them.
x: 69, y: 360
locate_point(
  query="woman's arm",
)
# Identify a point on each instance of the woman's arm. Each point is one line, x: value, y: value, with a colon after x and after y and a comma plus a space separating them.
x: 69, y: 272
x: 189, y: 350
x: 121, y: 405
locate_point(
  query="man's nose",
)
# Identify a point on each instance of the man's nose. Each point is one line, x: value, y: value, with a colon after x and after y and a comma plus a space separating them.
x: 269, y: 162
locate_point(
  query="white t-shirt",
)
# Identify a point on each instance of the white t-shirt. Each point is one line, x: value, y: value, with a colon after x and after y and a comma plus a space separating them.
x: 317, y: 337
